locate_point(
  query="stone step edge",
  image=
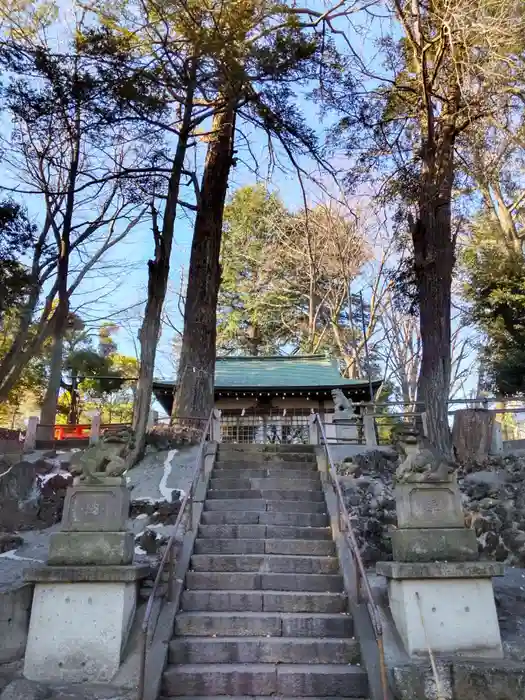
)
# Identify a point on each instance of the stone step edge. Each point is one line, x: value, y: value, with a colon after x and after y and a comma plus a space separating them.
x: 270, y: 555
x: 250, y: 506
x: 259, y: 697
x: 271, y: 540
x: 241, y: 591
x: 326, y: 529
x: 263, y: 640
x: 304, y: 668
x: 253, y: 615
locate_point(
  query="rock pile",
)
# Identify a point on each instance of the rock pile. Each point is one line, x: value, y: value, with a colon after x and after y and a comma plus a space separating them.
x: 493, y: 496
x: 494, y: 504
x: 32, y: 492
x: 153, y: 523
x: 367, y: 482
x: 167, y: 437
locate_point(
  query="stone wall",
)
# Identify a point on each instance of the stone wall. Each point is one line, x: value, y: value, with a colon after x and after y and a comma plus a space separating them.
x: 493, y: 498
x: 462, y: 680
x: 15, y: 608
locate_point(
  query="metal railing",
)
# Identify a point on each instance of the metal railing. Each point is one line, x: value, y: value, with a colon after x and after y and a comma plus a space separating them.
x: 168, y: 558
x: 361, y: 583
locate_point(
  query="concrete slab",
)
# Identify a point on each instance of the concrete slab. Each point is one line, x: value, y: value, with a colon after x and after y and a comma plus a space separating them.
x: 78, y: 630
x: 452, y: 616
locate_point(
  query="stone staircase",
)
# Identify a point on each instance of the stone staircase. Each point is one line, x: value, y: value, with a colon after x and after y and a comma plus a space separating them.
x: 264, y: 612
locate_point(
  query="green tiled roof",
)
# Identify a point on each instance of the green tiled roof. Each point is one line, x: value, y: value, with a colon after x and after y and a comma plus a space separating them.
x: 303, y: 372
x: 294, y: 371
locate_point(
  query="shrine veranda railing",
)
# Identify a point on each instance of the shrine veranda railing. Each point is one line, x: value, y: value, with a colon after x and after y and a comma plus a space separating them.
x: 279, y: 427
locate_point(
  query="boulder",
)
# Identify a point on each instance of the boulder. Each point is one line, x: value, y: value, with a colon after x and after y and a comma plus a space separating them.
x: 10, y: 541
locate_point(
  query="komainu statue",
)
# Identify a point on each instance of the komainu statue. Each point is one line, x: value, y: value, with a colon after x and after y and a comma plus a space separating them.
x: 106, y: 459
x: 423, y: 462
x: 342, y: 403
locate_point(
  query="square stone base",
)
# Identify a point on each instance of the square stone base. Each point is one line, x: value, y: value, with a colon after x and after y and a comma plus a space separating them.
x: 434, y: 544
x: 92, y: 508
x: 78, y: 631
x: 91, y: 548
x: 459, y: 616
x: 429, y: 504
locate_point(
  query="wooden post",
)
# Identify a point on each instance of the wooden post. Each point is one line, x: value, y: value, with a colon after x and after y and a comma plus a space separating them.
x: 313, y: 430
x: 472, y: 434
x: 30, y: 440
x: 216, y: 433
x: 94, y: 433
x: 153, y: 418
x: 369, y: 429
x: 424, y: 424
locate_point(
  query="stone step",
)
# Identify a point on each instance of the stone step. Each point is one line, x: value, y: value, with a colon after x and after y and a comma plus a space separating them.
x: 247, y: 581
x: 267, y: 601
x: 253, y: 697
x: 239, y: 462
x: 254, y: 517
x: 230, y: 546
x: 262, y: 624
x: 269, y: 448
x: 252, y: 504
x: 265, y: 680
x: 265, y: 473
x: 256, y: 650
x: 281, y: 495
x: 272, y: 532
x: 262, y: 546
x: 265, y: 563
x: 304, y: 482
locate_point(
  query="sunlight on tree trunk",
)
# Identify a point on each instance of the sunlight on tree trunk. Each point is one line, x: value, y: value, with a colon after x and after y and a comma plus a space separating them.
x: 195, y: 381
x: 158, y: 271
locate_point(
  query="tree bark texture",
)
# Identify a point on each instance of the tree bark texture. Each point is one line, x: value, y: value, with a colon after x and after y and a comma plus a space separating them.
x: 49, y: 405
x: 61, y: 315
x: 433, y: 263
x: 194, y: 396
x: 158, y: 271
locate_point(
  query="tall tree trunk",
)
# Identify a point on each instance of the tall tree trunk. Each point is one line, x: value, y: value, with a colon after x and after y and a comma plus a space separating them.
x: 61, y: 315
x: 433, y: 263
x: 195, y: 382
x: 49, y: 405
x: 158, y: 271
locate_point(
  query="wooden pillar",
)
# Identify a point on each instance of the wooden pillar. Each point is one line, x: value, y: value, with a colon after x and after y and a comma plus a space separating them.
x: 94, y: 433
x: 30, y: 439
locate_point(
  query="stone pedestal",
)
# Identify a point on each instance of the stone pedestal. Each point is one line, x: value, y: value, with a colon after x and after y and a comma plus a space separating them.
x: 454, y: 601
x: 431, y: 523
x: 440, y: 595
x: 345, y: 423
x: 85, y: 598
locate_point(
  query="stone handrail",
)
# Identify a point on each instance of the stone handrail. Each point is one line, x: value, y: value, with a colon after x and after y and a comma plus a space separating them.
x: 361, y: 578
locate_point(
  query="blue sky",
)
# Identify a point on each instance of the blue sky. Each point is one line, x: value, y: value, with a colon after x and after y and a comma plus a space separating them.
x: 123, y: 286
